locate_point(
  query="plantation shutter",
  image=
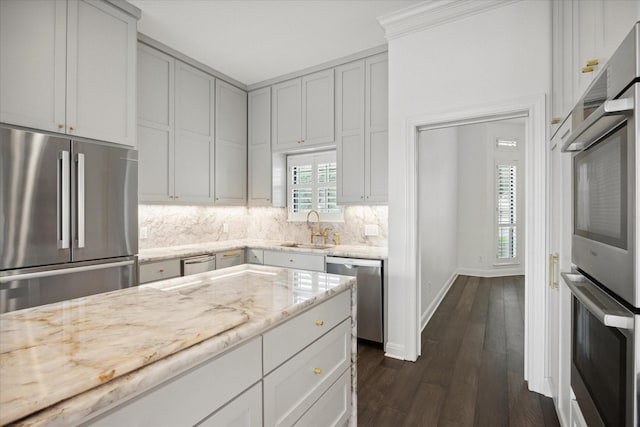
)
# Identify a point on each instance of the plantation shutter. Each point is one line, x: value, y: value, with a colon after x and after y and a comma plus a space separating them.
x: 506, y: 211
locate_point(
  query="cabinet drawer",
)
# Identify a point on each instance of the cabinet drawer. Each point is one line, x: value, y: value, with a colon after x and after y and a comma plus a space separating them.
x: 289, y: 338
x: 294, y: 260
x: 160, y: 270
x: 291, y: 390
x: 255, y: 256
x: 244, y: 410
x: 229, y: 259
x: 333, y: 408
x: 192, y: 396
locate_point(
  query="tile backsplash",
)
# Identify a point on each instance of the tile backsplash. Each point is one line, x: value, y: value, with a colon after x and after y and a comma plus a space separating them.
x: 181, y: 225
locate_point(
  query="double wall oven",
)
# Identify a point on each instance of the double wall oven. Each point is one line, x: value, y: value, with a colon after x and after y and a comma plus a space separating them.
x: 605, y: 368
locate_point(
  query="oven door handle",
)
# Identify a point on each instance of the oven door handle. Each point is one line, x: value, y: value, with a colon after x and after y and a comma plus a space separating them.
x: 606, y: 117
x: 601, y: 305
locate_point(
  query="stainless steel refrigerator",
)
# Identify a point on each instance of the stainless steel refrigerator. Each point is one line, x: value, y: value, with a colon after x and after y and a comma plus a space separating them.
x: 68, y: 217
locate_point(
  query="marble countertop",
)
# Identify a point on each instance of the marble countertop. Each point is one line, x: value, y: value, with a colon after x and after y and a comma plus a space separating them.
x: 353, y: 251
x: 60, y: 363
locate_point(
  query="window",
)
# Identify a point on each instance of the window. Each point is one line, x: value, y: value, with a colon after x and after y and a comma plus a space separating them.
x: 506, y: 213
x: 311, y: 184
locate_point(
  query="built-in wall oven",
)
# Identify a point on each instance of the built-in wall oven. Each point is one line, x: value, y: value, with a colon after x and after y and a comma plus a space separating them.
x: 604, y: 281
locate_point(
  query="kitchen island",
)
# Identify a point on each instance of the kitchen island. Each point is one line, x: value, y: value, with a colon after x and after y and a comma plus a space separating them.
x: 95, y: 358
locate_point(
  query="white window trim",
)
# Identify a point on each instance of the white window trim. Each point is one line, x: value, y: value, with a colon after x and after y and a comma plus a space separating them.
x: 305, y: 159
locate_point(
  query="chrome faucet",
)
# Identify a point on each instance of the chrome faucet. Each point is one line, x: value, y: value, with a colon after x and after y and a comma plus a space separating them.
x: 319, y: 232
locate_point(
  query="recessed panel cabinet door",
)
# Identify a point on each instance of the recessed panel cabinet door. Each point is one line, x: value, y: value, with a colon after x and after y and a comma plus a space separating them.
x: 33, y: 44
x: 231, y: 145
x: 260, y: 147
x: 287, y: 114
x: 377, y: 129
x: 350, y: 132
x: 194, y: 155
x: 101, y: 78
x: 156, y: 73
x: 318, y: 108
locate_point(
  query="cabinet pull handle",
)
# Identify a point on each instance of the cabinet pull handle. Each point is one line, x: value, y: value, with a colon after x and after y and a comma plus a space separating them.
x: 319, y: 322
x: 161, y: 270
x: 555, y: 120
x: 317, y: 371
x: 553, y: 260
x: 231, y: 254
x: 592, y: 62
x: 587, y: 69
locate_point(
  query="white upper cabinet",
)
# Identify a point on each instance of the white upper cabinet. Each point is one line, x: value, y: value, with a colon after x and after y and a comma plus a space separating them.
x: 260, y: 147
x: 362, y: 131
x: 156, y: 76
x: 377, y: 129
x: 230, y: 145
x: 76, y: 74
x: 194, y: 135
x: 585, y: 35
x: 303, y: 112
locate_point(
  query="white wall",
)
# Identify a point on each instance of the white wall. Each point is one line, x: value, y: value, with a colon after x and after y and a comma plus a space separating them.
x: 476, y: 197
x: 438, y: 194
x: 496, y: 57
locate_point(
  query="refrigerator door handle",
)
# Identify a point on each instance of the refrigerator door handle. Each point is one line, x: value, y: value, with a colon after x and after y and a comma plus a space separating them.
x: 64, y: 204
x: 49, y: 273
x: 81, y: 200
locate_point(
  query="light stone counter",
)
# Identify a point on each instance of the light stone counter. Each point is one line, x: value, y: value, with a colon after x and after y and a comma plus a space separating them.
x: 62, y: 363
x: 352, y: 251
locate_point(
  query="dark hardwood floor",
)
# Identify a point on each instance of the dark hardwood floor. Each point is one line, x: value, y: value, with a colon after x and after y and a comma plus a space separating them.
x: 470, y: 371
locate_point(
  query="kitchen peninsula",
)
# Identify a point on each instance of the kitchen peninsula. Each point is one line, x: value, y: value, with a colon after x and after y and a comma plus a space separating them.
x: 187, y: 350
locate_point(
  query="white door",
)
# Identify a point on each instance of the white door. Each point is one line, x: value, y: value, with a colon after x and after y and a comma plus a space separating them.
x: 101, y: 72
x: 33, y: 63
x: 286, y: 115
x: 318, y: 108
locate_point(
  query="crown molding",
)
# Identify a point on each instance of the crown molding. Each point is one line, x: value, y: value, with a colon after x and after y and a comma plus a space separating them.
x: 433, y: 13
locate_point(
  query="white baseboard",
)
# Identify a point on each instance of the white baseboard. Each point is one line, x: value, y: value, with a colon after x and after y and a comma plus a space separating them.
x: 395, y: 351
x: 515, y: 271
x: 428, y: 313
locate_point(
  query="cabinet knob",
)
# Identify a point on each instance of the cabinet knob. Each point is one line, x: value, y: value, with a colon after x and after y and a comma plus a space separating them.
x: 171, y: 197
x: 299, y: 141
x: 317, y: 371
x: 60, y: 126
x: 161, y: 270
x: 268, y: 200
x: 587, y: 69
x: 290, y: 260
x: 319, y: 322
x: 302, y: 141
x: 71, y: 128
x: 177, y: 197
x: 217, y: 198
x: 555, y: 120
x: 592, y: 62
x: 362, y: 197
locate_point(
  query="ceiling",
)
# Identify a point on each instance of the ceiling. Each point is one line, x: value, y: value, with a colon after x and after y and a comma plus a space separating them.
x: 256, y: 40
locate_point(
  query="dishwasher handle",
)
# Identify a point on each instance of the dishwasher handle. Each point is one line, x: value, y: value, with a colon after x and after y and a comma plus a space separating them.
x: 199, y: 260
x: 354, y: 262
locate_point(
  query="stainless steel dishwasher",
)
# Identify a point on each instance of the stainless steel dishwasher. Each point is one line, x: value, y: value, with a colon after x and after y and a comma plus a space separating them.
x: 198, y: 264
x: 370, y: 293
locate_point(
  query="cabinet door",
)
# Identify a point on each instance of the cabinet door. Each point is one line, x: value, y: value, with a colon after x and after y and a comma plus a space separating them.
x: 231, y: 145
x: 562, y: 62
x: 287, y: 115
x: 155, y: 124
x: 194, y: 155
x: 260, y: 147
x: 350, y: 154
x: 101, y: 72
x: 244, y: 411
x: 33, y: 63
x: 318, y: 108
x: 376, y: 129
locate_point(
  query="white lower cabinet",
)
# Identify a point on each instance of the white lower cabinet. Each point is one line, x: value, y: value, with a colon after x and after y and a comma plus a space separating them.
x: 244, y: 411
x: 159, y: 270
x: 194, y: 395
x: 294, y: 260
x: 229, y: 259
x: 255, y: 256
x: 293, y: 388
x: 333, y: 408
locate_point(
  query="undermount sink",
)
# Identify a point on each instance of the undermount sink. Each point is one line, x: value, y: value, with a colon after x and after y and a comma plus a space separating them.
x: 304, y: 246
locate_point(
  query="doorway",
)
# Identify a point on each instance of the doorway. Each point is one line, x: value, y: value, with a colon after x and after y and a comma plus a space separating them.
x: 471, y: 205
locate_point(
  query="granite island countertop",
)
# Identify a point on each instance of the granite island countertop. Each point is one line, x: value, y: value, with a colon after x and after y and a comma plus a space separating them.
x: 351, y: 251
x: 61, y: 363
